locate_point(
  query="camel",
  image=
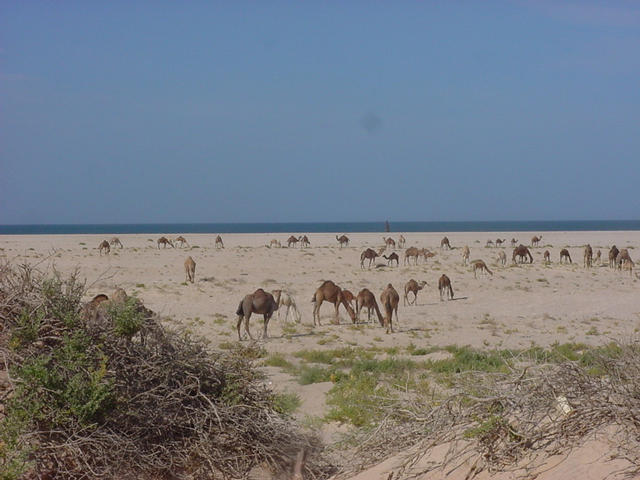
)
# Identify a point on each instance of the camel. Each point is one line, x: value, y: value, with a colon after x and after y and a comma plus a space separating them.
x: 115, y: 241
x: 499, y: 242
x: 104, y: 245
x: 100, y: 304
x: 480, y: 265
x: 502, y: 258
x: 381, y: 250
x: 348, y: 297
x: 343, y: 240
x: 413, y: 287
x: 181, y: 240
x: 426, y: 253
x: 367, y: 299
x: 292, y: 241
x: 598, y: 257
x: 190, y: 269
x: 391, y: 258
x: 274, y: 243
x: 613, y: 254
x: 332, y: 293
x: 304, y: 241
x: 260, y: 302
x: 588, y: 256
x: 219, y: 242
x: 564, y: 255
x: 623, y: 260
x: 445, y: 243
x: 514, y: 242
x: 521, y: 252
x: 547, y: 257
x: 368, y: 254
x: 401, y: 241
x: 390, y: 299
x: 444, y: 287
x: 389, y: 242
x: 164, y: 241
x: 287, y: 300
x: 489, y: 243
x: 535, y: 240
x: 465, y: 254
x: 411, y: 252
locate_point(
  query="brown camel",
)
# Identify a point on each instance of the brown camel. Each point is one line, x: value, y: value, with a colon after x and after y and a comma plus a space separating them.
x: 391, y: 258
x: 389, y: 242
x: 499, y: 242
x: 181, y: 240
x: 331, y: 293
x: 104, y: 245
x: 259, y: 302
x: 535, y: 240
x: 390, y: 299
x: 426, y: 253
x: 588, y: 256
x: 411, y: 252
x: 623, y: 261
x: 287, y: 300
x: 466, y: 253
x: 480, y: 265
x: 564, y: 255
x: 521, y: 252
x: 368, y: 254
x: 190, y: 269
x: 100, y: 304
x: 413, y: 287
x: 348, y: 297
x: 304, y: 241
x: 367, y: 299
x: 274, y: 243
x: 613, y: 254
x: 220, y: 244
x: 444, y: 287
x: 381, y: 250
x: 502, y: 258
x: 401, y: 241
x: 292, y: 241
x: 115, y: 241
x: 489, y: 243
x: 164, y: 241
x: 514, y: 242
x: 343, y: 240
x: 547, y: 257
x: 598, y: 257
x: 445, y: 243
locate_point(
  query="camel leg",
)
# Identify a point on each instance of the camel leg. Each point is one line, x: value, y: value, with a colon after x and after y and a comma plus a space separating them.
x: 337, y: 317
x: 240, y: 318
x: 316, y: 312
x: 267, y: 317
x: 246, y: 325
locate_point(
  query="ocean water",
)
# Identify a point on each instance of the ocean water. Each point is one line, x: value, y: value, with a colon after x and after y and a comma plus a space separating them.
x: 325, y: 227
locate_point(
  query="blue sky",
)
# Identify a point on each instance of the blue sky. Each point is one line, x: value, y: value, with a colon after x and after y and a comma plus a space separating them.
x: 136, y: 112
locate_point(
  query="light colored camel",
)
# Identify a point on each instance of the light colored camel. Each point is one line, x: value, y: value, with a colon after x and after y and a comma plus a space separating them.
x: 535, y: 240
x: 444, y: 287
x: 274, y: 243
x: 547, y: 257
x: 411, y: 252
x: 389, y: 242
x: 115, y: 241
x: 466, y: 253
x: 219, y: 242
x: 259, y: 302
x: 100, y: 305
x: 401, y: 241
x: 381, y: 250
x: 287, y: 300
x: 588, y: 256
x: 343, y: 240
x: 480, y: 265
x: 426, y: 254
x: 598, y: 257
x: 181, y: 240
x: 367, y: 299
x: 613, y: 254
x: 190, y: 269
x: 164, y: 241
x: 502, y: 257
x: 104, y: 245
x: 292, y: 241
x: 522, y: 253
x: 499, y: 242
x: 413, y: 287
x: 390, y: 299
x: 564, y: 255
x: 304, y: 241
x: 445, y: 243
x: 391, y: 258
x: 348, y: 297
x: 514, y: 242
x: 623, y: 259
x: 489, y: 243
x: 368, y: 254
x: 332, y: 293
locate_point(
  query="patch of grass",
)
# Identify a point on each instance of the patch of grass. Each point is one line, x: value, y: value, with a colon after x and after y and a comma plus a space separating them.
x: 468, y: 359
x: 343, y: 357
x: 140, y: 285
x: 286, y: 403
x: 592, y: 331
x: 278, y: 360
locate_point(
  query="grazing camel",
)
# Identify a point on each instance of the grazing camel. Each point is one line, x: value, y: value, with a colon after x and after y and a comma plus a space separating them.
x: 489, y: 243
x: 348, y: 297
x: 292, y: 241
x: 623, y: 261
x: 381, y: 250
x: 445, y: 243
x: 598, y: 257
x: 259, y: 302
x: 502, y: 258
x: 304, y: 241
x: 219, y: 242
x: 332, y: 293
x: 411, y: 252
x: 588, y: 256
x: 535, y: 240
x: 287, y: 300
x: 368, y: 254
x: 100, y: 304
x: 499, y: 242
x: 367, y: 299
x: 401, y: 241
x: 104, y: 245
x: 389, y: 242
x: 613, y: 254
x: 164, y: 241
x: 426, y: 253
x: 115, y: 241
x: 391, y: 258
x: 413, y: 287
x: 521, y: 252
x: 514, y: 242
x: 181, y: 240
x: 547, y: 257
x: 343, y: 240
x: 564, y: 255
x: 274, y: 243
x: 390, y: 299
x: 465, y: 254
x: 480, y: 265
x: 444, y: 287
x: 190, y: 269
